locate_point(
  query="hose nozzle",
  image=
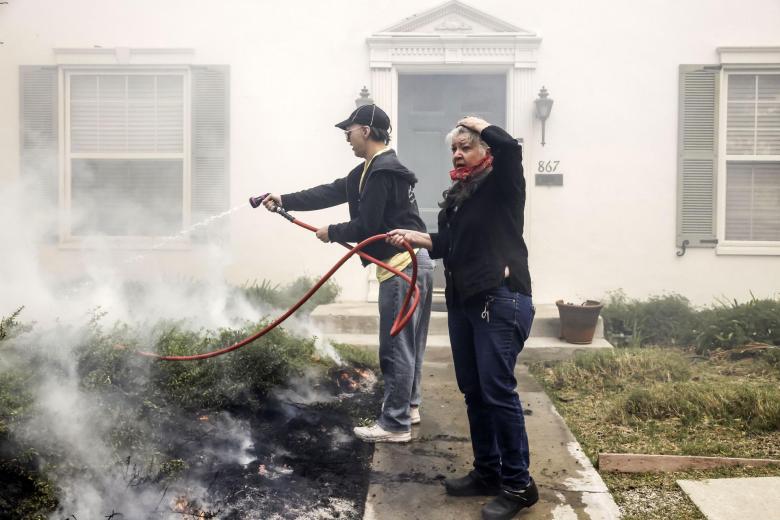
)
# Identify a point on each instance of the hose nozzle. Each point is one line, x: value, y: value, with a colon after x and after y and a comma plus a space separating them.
x: 256, y: 201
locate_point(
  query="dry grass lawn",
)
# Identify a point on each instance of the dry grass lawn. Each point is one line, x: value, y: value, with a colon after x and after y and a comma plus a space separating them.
x: 668, y: 401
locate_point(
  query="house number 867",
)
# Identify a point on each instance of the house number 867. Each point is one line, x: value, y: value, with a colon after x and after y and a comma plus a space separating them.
x: 548, y: 167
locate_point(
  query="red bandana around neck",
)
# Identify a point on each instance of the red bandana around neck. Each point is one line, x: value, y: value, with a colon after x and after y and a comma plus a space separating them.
x: 465, y: 173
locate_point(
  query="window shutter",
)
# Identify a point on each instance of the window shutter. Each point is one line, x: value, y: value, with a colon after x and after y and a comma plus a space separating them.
x: 210, y: 146
x: 39, y: 138
x: 697, y: 156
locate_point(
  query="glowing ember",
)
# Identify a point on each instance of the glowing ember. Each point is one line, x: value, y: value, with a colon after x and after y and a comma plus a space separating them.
x: 180, y: 504
x: 347, y: 383
x: 183, y: 505
x: 351, y: 380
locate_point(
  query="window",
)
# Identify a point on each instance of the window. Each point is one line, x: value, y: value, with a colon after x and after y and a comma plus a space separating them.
x: 729, y: 153
x: 128, y: 152
x: 125, y: 153
x: 752, y: 158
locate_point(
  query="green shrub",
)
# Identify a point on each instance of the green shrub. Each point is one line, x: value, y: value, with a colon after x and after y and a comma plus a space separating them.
x: 670, y: 320
x: 771, y: 357
x: 232, y: 378
x: 735, y: 324
x: 15, y: 398
x: 284, y: 297
x: 357, y: 356
x: 660, y: 320
x: 24, y: 492
x: 262, y: 293
x: 15, y: 386
x: 107, y: 359
x: 10, y: 325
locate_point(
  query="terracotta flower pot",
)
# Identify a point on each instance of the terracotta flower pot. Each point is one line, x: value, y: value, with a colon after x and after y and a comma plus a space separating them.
x: 578, y: 322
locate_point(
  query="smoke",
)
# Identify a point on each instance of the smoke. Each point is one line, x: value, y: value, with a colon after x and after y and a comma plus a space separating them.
x: 304, y: 390
x: 124, y: 285
x: 21, y: 229
x: 112, y: 285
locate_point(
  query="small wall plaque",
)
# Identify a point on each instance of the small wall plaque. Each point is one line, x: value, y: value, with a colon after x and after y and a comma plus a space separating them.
x: 549, y: 179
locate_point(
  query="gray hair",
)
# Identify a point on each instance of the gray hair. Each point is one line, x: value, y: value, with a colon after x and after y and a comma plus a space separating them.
x: 473, y: 137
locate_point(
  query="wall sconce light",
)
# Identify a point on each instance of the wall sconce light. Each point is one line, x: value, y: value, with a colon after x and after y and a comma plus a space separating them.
x: 365, y: 98
x: 542, y: 108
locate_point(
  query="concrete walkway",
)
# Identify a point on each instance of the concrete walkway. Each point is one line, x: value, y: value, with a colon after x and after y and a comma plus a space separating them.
x: 407, y: 479
x: 735, y: 498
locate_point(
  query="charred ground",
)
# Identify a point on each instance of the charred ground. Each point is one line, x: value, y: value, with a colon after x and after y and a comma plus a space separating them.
x: 264, y: 432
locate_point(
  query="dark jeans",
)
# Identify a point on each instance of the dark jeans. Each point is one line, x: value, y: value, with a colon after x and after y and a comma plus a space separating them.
x: 401, y: 357
x: 487, y: 332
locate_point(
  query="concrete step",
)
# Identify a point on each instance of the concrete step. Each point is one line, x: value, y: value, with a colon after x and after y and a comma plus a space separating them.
x: 536, y: 348
x: 363, y: 318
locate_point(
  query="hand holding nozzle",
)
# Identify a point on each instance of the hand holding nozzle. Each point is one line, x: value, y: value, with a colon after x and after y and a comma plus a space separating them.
x: 271, y: 201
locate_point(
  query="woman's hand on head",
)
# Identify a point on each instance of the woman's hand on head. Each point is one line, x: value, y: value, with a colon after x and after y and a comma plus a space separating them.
x: 474, y: 123
x: 396, y: 237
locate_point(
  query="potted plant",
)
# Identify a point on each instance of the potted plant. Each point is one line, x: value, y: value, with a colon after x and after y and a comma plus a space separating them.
x: 578, y: 322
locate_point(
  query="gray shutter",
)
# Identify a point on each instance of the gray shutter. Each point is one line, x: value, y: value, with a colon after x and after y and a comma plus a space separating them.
x: 210, y: 146
x: 697, y: 156
x: 39, y: 139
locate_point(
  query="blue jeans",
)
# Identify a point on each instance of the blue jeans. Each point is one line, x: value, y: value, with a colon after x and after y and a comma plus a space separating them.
x: 401, y: 357
x: 487, y: 333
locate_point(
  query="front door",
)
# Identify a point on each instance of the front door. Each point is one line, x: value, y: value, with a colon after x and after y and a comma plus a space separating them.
x: 429, y: 105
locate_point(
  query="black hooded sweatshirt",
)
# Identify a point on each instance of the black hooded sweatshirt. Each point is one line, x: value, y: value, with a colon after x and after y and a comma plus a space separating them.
x: 386, y: 202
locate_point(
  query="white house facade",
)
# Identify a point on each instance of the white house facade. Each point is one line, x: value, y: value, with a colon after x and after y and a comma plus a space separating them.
x: 657, y: 170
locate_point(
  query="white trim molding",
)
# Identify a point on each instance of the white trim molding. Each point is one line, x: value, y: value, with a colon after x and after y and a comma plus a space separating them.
x: 123, y: 56
x: 769, y: 55
x: 752, y: 249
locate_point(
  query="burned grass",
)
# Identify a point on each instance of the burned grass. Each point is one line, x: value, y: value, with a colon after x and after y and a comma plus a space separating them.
x: 668, y: 401
x: 262, y: 432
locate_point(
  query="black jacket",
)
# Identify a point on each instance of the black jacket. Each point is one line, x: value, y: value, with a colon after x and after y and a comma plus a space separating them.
x: 485, y: 233
x: 386, y: 202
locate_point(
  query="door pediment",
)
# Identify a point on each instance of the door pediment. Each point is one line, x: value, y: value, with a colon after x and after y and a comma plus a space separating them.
x: 453, y: 33
x: 453, y: 18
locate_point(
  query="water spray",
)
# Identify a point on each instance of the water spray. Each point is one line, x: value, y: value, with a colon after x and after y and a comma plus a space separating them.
x: 411, y: 300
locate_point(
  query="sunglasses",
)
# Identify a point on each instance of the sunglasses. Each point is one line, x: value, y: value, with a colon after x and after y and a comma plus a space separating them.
x: 347, y: 132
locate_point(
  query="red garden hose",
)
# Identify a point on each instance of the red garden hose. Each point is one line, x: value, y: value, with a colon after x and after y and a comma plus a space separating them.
x: 404, y: 314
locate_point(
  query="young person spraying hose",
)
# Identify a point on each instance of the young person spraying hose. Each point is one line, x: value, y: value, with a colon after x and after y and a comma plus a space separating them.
x: 380, y: 195
x: 489, y: 307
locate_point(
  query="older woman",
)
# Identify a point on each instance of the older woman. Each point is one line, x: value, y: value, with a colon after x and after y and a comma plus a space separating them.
x: 489, y: 306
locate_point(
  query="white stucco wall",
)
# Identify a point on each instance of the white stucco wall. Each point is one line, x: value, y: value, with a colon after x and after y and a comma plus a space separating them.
x: 296, y: 68
x: 612, y: 68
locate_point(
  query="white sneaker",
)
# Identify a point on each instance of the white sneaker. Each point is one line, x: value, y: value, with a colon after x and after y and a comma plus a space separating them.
x: 414, y: 414
x: 376, y: 433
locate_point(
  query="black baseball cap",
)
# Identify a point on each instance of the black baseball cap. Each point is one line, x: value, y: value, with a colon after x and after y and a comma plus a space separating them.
x: 369, y: 115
